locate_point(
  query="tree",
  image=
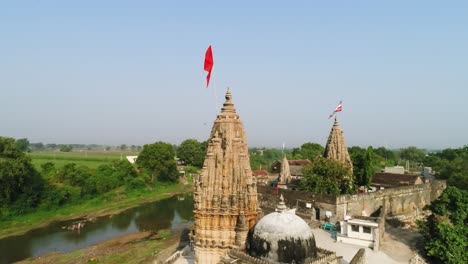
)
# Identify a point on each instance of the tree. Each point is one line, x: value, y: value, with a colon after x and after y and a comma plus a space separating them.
x: 191, y: 151
x: 308, y: 151
x: 21, y: 185
x: 22, y: 144
x: 37, y: 146
x: 446, y: 230
x: 413, y: 154
x: 123, y: 147
x: 450, y: 164
x: 369, y: 169
x: 66, y: 148
x: 158, y: 161
x: 388, y: 156
x: 326, y: 176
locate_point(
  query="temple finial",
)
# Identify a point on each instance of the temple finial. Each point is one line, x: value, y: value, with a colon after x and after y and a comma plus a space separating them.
x: 228, y: 94
x: 228, y: 106
x: 281, y: 207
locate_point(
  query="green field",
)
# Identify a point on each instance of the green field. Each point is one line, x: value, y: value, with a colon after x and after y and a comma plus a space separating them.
x: 89, y: 159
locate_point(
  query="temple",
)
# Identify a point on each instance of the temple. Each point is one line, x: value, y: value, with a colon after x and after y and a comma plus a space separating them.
x: 225, y: 193
x: 336, y: 147
x: 285, y: 173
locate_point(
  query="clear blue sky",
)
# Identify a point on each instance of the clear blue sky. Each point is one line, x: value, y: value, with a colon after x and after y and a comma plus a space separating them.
x: 114, y: 72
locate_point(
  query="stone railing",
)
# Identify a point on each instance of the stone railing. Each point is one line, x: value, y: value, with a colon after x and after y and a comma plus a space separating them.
x: 235, y: 253
x: 174, y: 257
x: 325, y: 257
x: 360, y: 257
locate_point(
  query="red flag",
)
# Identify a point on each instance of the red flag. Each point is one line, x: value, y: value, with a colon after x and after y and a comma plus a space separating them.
x: 337, y: 109
x: 208, y: 64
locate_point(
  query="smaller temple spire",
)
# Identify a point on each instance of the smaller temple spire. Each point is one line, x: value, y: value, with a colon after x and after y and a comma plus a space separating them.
x: 285, y: 173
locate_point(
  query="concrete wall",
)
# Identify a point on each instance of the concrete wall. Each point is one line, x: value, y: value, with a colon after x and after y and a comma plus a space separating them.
x: 406, y: 200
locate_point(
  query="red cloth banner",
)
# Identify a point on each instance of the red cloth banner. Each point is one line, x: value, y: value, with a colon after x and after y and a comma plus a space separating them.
x: 208, y: 64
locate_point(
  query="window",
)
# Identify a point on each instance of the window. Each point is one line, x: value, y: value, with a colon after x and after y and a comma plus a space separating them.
x: 355, y: 228
x: 366, y: 229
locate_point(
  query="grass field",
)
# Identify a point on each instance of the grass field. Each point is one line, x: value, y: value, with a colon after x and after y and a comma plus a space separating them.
x: 89, y: 159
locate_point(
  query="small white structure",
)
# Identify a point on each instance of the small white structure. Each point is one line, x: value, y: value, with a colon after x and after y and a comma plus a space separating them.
x: 359, y: 232
x: 395, y: 169
x: 132, y: 159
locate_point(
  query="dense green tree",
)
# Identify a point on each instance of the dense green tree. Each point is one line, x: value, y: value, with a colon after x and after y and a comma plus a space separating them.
x: 326, y: 176
x: 20, y: 184
x: 386, y: 155
x: 369, y: 167
x: 123, y: 147
x: 158, y: 161
x: 413, y: 154
x: 37, y: 146
x: 451, y: 165
x: 446, y: 230
x: 58, y: 195
x: 192, y: 152
x: 357, y: 155
x: 22, y: 144
x: 66, y: 148
x: 73, y: 175
x: 308, y: 151
x: 51, y: 146
x: 48, y: 169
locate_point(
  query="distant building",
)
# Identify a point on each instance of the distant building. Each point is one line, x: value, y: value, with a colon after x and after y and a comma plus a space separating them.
x: 427, y: 173
x: 132, y: 159
x: 395, y: 170
x: 259, y: 173
x: 295, y: 167
x: 391, y: 180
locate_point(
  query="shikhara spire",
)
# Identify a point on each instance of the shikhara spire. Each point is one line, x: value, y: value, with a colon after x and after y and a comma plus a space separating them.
x: 336, y: 147
x: 226, y: 192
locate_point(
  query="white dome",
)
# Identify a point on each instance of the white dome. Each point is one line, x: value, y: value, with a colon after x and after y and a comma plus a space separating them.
x: 281, y: 225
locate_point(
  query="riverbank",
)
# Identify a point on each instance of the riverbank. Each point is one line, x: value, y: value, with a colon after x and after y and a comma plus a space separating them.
x: 142, y: 247
x: 108, y: 204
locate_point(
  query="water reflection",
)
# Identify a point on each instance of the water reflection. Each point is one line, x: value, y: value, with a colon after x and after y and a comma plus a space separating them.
x: 174, y: 213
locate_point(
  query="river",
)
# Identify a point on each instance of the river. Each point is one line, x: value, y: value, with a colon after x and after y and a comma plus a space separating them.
x: 175, y: 213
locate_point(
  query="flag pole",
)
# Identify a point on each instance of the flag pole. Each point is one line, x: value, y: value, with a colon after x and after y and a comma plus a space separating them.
x: 215, y: 93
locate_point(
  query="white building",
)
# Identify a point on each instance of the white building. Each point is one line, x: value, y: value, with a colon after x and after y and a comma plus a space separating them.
x: 359, y: 232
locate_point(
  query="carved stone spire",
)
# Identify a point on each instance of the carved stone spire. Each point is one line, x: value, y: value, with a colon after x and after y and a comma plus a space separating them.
x: 226, y: 193
x: 285, y: 173
x: 336, y: 147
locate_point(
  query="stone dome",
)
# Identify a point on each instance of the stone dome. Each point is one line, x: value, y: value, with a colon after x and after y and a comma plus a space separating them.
x: 282, y: 236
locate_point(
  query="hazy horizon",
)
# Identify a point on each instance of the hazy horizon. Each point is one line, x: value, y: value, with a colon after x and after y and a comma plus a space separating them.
x: 118, y: 72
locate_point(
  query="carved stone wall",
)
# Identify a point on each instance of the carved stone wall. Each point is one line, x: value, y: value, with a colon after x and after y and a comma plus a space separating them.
x: 406, y: 200
x: 225, y: 194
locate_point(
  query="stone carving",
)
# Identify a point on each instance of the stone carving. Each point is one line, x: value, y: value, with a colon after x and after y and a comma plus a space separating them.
x: 225, y: 194
x: 336, y: 147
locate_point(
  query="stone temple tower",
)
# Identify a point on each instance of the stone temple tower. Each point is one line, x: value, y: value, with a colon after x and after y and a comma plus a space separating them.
x: 285, y: 173
x: 336, y: 147
x: 225, y: 194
